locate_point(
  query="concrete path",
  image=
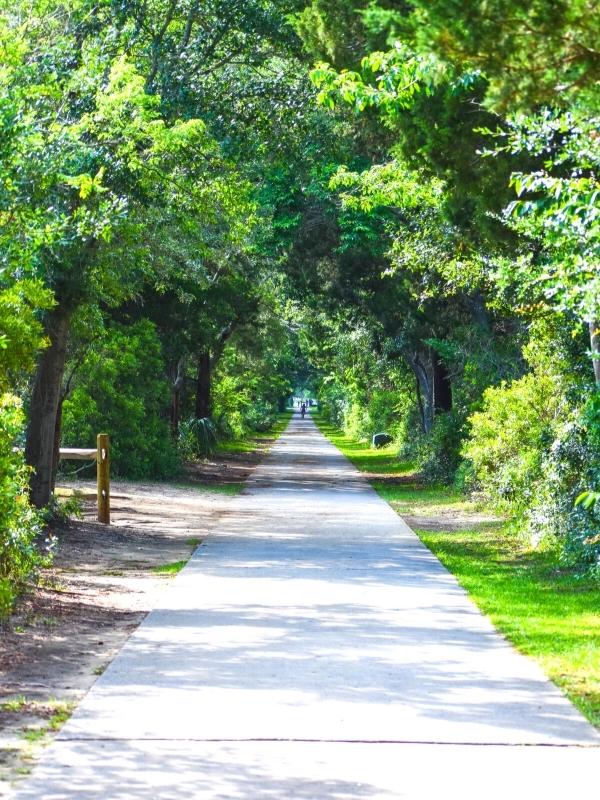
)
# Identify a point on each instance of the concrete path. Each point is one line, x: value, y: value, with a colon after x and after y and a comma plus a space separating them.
x: 313, y: 648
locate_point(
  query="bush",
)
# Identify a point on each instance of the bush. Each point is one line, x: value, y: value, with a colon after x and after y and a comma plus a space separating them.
x: 243, y: 405
x: 570, y: 467
x: 333, y: 403
x: 197, y: 438
x: 508, y: 439
x: 120, y: 391
x: 19, y: 522
x: 357, y: 423
x: 438, y: 455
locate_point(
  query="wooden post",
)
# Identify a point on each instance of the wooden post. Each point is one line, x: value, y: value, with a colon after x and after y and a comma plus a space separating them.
x: 103, y: 473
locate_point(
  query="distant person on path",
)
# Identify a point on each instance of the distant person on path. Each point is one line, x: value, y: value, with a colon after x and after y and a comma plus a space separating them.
x: 303, y: 410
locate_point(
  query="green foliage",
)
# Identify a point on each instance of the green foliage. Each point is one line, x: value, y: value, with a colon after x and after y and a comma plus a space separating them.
x: 509, y: 436
x: 534, y: 53
x: 21, y: 334
x: 438, y: 455
x: 388, y: 80
x: 197, y: 438
x: 569, y: 467
x: 19, y: 523
x: 119, y: 390
x: 251, y: 379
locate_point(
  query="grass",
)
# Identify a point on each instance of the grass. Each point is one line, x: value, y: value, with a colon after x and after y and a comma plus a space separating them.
x: 175, y: 566
x: 170, y: 569
x: 230, y: 489
x: 15, y: 704
x: 547, y: 611
x: 59, y: 715
x: 54, y: 713
x: 382, y: 461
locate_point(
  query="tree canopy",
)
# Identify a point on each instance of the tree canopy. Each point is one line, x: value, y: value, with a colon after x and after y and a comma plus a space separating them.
x: 205, y: 207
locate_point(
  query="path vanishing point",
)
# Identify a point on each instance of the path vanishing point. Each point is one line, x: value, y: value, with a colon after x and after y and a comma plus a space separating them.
x: 314, y: 648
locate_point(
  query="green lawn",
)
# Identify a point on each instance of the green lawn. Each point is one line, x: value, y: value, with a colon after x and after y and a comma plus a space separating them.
x: 546, y: 611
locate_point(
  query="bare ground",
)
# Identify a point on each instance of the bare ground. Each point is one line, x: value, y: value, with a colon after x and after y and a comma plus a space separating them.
x: 102, y: 583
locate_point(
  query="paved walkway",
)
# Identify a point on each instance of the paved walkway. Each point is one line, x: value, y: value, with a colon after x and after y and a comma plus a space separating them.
x: 313, y: 648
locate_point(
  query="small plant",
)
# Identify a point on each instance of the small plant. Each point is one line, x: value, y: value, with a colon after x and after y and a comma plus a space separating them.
x: 34, y: 735
x: 197, y: 438
x: 588, y: 499
x: 63, y: 510
x: 15, y: 704
x: 60, y: 715
x: 169, y: 569
x: 193, y: 542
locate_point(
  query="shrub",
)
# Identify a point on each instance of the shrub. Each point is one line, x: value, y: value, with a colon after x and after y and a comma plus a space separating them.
x: 438, y: 455
x: 333, y: 403
x: 508, y: 437
x: 357, y: 422
x: 197, y: 438
x: 19, y: 522
x: 243, y: 405
x: 570, y: 467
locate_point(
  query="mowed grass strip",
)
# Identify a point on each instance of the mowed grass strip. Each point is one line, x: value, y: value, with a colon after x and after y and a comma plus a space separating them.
x: 547, y: 611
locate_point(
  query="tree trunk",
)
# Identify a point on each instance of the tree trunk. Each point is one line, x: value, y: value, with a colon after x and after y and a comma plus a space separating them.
x: 203, y: 385
x: 57, y: 436
x: 425, y: 397
x: 420, y: 404
x: 43, y: 431
x: 442, y: 388
x: 594, y: 327
x: 176, y: 396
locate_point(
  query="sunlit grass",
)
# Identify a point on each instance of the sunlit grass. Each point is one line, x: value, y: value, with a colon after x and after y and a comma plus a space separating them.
x: 230, y: 489
x: 548, y: 612
x: 169, y: 569
x: 418, y: 499
x: 383, y: 460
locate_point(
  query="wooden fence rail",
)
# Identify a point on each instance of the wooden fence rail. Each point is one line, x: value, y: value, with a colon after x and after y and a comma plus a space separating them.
x: 101, y: 455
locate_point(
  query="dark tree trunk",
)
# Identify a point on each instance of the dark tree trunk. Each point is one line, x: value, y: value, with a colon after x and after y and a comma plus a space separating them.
x: 442, y: 388
x: 203, y: 408
x: 57, y: 435
x: 424, y: 389
x: 176, y: 397
x: 595, y: 345
x: 420, y: 404
x: 43, y: 431
x: 175, y: 411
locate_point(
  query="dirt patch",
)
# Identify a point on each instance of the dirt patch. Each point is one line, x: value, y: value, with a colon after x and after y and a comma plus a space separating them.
x: 101, y: 585
x: 449, y: 521
x: 228, y: 468
x: 393, y: 480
